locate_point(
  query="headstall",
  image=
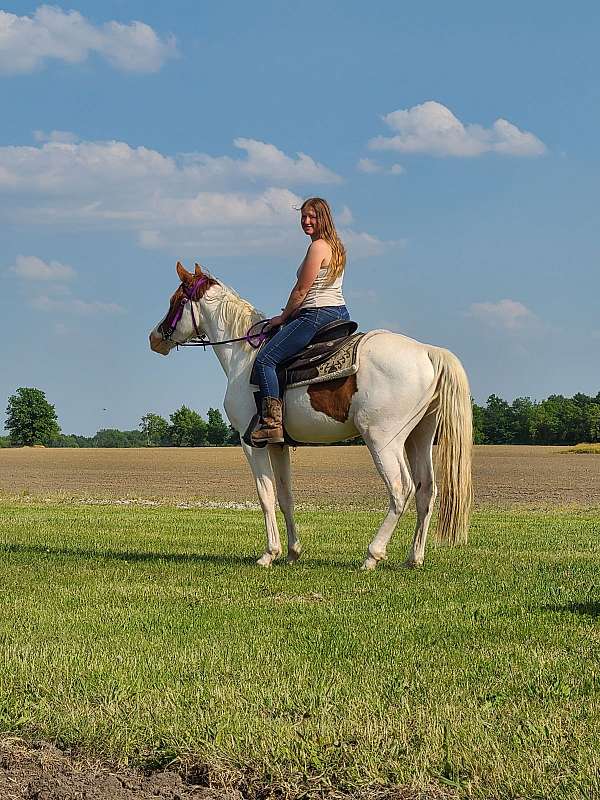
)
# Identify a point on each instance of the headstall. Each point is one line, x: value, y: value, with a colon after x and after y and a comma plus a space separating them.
x: 255, y: 335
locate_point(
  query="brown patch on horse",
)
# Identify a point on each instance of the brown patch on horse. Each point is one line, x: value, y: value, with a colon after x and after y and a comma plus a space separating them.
x: 333, y: 397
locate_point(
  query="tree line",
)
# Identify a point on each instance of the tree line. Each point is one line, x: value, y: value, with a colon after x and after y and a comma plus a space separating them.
x: 31, y: 420
x: 556, y: 420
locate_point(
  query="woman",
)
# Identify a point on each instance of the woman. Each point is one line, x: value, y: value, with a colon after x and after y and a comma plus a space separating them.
x: 315, y: 300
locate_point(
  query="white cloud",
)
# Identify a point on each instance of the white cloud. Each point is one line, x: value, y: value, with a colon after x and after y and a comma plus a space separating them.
x: 150, y: 239
x: 73, y: 305
x: 345, y: 217
x: 368, y: 165
x: 192, y: 203
x: 397, y: 169
x: 364, y: 245
x: 32, y: 268
x: 65, y: 137
x: 56, y: 296
x: 57, y: 166
x: 509, y: 315
x: 433, y: 129
x: 161, y: 198
x: 282, y: 239
x: 371, y: 167
x: 265, y: 159
x: 26, y: 43
x: 218, y: 209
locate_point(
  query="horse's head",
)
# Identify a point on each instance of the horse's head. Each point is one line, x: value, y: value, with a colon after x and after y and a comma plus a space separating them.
x: 180, y: 324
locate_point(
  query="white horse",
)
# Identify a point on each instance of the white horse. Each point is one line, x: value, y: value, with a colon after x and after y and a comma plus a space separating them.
x: 403, y: 394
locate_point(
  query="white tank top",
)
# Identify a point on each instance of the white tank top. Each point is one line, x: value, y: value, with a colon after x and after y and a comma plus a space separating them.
x: 320, y: 295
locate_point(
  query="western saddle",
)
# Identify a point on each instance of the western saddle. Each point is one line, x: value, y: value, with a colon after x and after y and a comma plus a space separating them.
x: 301, y: 367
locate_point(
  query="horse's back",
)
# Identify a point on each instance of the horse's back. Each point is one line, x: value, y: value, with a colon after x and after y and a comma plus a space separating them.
x: 395, y: 373
x: 395, y: 365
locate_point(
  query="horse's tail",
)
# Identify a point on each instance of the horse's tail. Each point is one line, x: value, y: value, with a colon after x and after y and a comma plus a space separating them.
x: 452, y: 401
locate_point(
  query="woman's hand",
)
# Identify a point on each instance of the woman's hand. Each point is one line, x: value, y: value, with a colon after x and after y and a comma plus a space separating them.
x: 275, y: 322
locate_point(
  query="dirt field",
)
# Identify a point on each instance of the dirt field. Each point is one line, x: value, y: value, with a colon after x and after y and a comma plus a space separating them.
x: 536, y: 477
x: 42, y: 772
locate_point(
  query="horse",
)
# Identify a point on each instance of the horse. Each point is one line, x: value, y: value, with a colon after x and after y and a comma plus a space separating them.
x: 404, y: 395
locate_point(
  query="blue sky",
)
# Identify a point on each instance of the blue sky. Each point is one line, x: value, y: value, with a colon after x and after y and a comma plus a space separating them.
x: 456, y: 143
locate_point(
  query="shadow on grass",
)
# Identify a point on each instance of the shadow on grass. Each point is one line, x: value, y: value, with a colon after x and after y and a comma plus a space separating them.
x: 131, y: 555
x: 590, y: 608
x: 173, y: 558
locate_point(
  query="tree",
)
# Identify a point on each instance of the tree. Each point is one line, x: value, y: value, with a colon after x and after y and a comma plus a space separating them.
x: 188, y: 429
x: 522, y: 420
x: 217, y: 429
x: 592, y: 413
x: 155, y: 429
x: 478, y: 424
x: 110, y: 437
x: 64, y: 440
x: 497, y: 425
x: 233, y: 437
x: 30, y: 418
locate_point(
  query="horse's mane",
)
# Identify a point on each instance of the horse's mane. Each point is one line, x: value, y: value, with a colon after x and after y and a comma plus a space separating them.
x: 236, y: 313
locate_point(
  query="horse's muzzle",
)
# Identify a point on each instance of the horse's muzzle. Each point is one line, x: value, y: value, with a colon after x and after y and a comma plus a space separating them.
x: 159, y: 345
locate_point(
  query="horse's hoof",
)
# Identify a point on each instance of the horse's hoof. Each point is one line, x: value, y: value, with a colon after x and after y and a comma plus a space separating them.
x: 369, y: 564
x: 413, y: 564
x: 294, y: 555
x: 265, y: 560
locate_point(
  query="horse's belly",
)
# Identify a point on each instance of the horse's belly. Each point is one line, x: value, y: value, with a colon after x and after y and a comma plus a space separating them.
x: 304, y: 424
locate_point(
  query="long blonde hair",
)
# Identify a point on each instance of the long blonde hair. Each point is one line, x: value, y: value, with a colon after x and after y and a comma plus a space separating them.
x: 326, y: 230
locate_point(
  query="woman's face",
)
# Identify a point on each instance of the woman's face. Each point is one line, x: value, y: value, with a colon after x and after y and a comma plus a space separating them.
x: 308, y: 220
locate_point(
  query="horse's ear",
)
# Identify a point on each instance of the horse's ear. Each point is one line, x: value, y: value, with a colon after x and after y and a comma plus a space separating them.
x: 198, y: 270
x: 184, y: 275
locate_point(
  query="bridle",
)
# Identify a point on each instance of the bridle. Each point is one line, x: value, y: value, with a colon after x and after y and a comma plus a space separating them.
x: 170, y: 322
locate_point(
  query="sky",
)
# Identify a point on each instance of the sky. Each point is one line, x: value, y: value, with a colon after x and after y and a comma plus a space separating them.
x: 457, y: 144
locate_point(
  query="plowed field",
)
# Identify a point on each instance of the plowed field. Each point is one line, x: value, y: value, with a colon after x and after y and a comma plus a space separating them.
x: 535, y: 477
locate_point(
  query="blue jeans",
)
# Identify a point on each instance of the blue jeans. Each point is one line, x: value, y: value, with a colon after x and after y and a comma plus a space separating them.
x: 292, y: 337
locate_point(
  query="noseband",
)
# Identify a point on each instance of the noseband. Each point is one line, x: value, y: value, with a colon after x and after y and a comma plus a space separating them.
x: 170, y: 322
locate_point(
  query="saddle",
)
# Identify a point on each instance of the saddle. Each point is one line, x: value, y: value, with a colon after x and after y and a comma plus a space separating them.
x: 331, y: 354
x: 302, y: 368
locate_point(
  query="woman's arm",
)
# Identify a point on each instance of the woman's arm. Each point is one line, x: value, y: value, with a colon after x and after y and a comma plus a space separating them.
x: 318, y: 252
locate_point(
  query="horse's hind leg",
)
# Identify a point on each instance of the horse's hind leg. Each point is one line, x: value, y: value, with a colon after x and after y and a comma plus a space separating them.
x: 419, y: 446
x: 280, y: 459
x: 390, y: 462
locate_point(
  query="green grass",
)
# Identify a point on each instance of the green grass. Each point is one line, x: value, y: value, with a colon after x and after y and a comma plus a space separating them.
x: 585, y: 448
x: 145, y: 635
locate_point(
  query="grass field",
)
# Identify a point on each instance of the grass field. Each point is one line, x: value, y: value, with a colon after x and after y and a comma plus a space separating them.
x: 588, y: 449
x: 147, y: 635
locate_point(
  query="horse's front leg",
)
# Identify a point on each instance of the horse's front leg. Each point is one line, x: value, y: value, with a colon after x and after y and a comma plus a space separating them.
x: 260, y: 464
x: 280, y: 459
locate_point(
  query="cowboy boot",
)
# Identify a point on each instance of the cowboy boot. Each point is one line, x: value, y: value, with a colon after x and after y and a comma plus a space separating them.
x: 271, y: 430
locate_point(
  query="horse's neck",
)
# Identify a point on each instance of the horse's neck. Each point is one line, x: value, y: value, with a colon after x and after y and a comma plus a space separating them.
x: 235, y: 358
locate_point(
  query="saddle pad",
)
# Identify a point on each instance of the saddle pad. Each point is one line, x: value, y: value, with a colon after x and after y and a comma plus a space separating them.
x: 343, y: 362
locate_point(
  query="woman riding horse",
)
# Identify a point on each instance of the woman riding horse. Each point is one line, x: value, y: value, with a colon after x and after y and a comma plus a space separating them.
x: 315, y: 300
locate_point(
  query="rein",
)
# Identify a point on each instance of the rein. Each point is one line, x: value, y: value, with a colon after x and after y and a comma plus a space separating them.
x: 253, y: 339
x: 167, y: 327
